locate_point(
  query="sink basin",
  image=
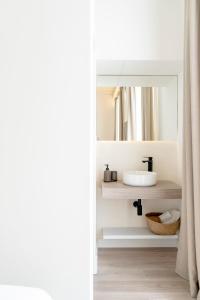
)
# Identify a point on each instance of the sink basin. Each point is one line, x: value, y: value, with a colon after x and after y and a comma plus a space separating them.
x: 139, y: 178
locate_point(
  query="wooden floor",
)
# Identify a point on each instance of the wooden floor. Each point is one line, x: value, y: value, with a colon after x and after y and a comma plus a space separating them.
x: 138, y: 274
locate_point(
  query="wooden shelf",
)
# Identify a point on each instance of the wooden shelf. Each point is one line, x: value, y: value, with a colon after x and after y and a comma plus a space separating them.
x: 162, y: 190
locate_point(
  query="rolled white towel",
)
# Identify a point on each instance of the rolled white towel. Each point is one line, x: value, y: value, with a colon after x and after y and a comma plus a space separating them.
x: 175, y: 217
x: 166, y: 216
x: 170, y: 216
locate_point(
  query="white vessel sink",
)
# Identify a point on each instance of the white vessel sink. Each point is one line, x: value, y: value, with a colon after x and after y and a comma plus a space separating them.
x: 139, y: 178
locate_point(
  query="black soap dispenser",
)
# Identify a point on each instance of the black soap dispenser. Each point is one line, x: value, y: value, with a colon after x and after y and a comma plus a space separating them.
x: 107, y: 174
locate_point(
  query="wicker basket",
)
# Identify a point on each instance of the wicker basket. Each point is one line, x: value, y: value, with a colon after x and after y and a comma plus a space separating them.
x: 157, y: 227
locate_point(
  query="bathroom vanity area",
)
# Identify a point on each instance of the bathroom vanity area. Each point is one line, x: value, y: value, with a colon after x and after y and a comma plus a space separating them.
x: 161, y: 191
x: 137, y: 117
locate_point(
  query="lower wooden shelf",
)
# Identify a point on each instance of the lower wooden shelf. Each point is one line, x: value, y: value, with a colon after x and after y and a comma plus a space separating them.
x: 135, y: 237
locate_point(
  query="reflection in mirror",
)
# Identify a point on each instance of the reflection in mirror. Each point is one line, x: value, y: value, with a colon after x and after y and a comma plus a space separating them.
x: 136, y: 113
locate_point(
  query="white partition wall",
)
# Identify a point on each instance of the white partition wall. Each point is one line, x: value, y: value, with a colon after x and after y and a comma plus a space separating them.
x: 45, y: 48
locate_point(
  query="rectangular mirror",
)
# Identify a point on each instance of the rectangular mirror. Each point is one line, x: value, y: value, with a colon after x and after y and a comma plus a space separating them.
x: 137, y: 108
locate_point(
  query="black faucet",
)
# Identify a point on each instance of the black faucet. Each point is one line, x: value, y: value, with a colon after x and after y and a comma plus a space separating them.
x: 150, y: 163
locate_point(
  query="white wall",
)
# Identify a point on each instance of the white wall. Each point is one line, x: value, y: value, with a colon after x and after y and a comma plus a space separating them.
x: 44, y: 134
x: 139, y: 29
x: 128, y: 156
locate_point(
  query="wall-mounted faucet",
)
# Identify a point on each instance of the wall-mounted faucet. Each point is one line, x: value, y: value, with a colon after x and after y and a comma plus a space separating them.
x: 138, y: 204
x: 150, y: 163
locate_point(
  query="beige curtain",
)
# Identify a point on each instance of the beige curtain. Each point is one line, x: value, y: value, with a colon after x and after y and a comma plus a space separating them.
x: 131, y: 114
x: 188, y: 259
x: 125, y: 114
x: 150, y: 114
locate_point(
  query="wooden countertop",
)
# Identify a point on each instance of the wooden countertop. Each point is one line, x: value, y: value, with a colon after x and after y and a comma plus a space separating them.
x: 162, y: 190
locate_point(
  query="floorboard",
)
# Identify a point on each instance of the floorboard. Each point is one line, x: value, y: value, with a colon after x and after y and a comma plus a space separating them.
x: 139, y: 274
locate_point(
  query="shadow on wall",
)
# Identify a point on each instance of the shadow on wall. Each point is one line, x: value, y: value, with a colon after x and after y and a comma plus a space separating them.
x: 22, y: 293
